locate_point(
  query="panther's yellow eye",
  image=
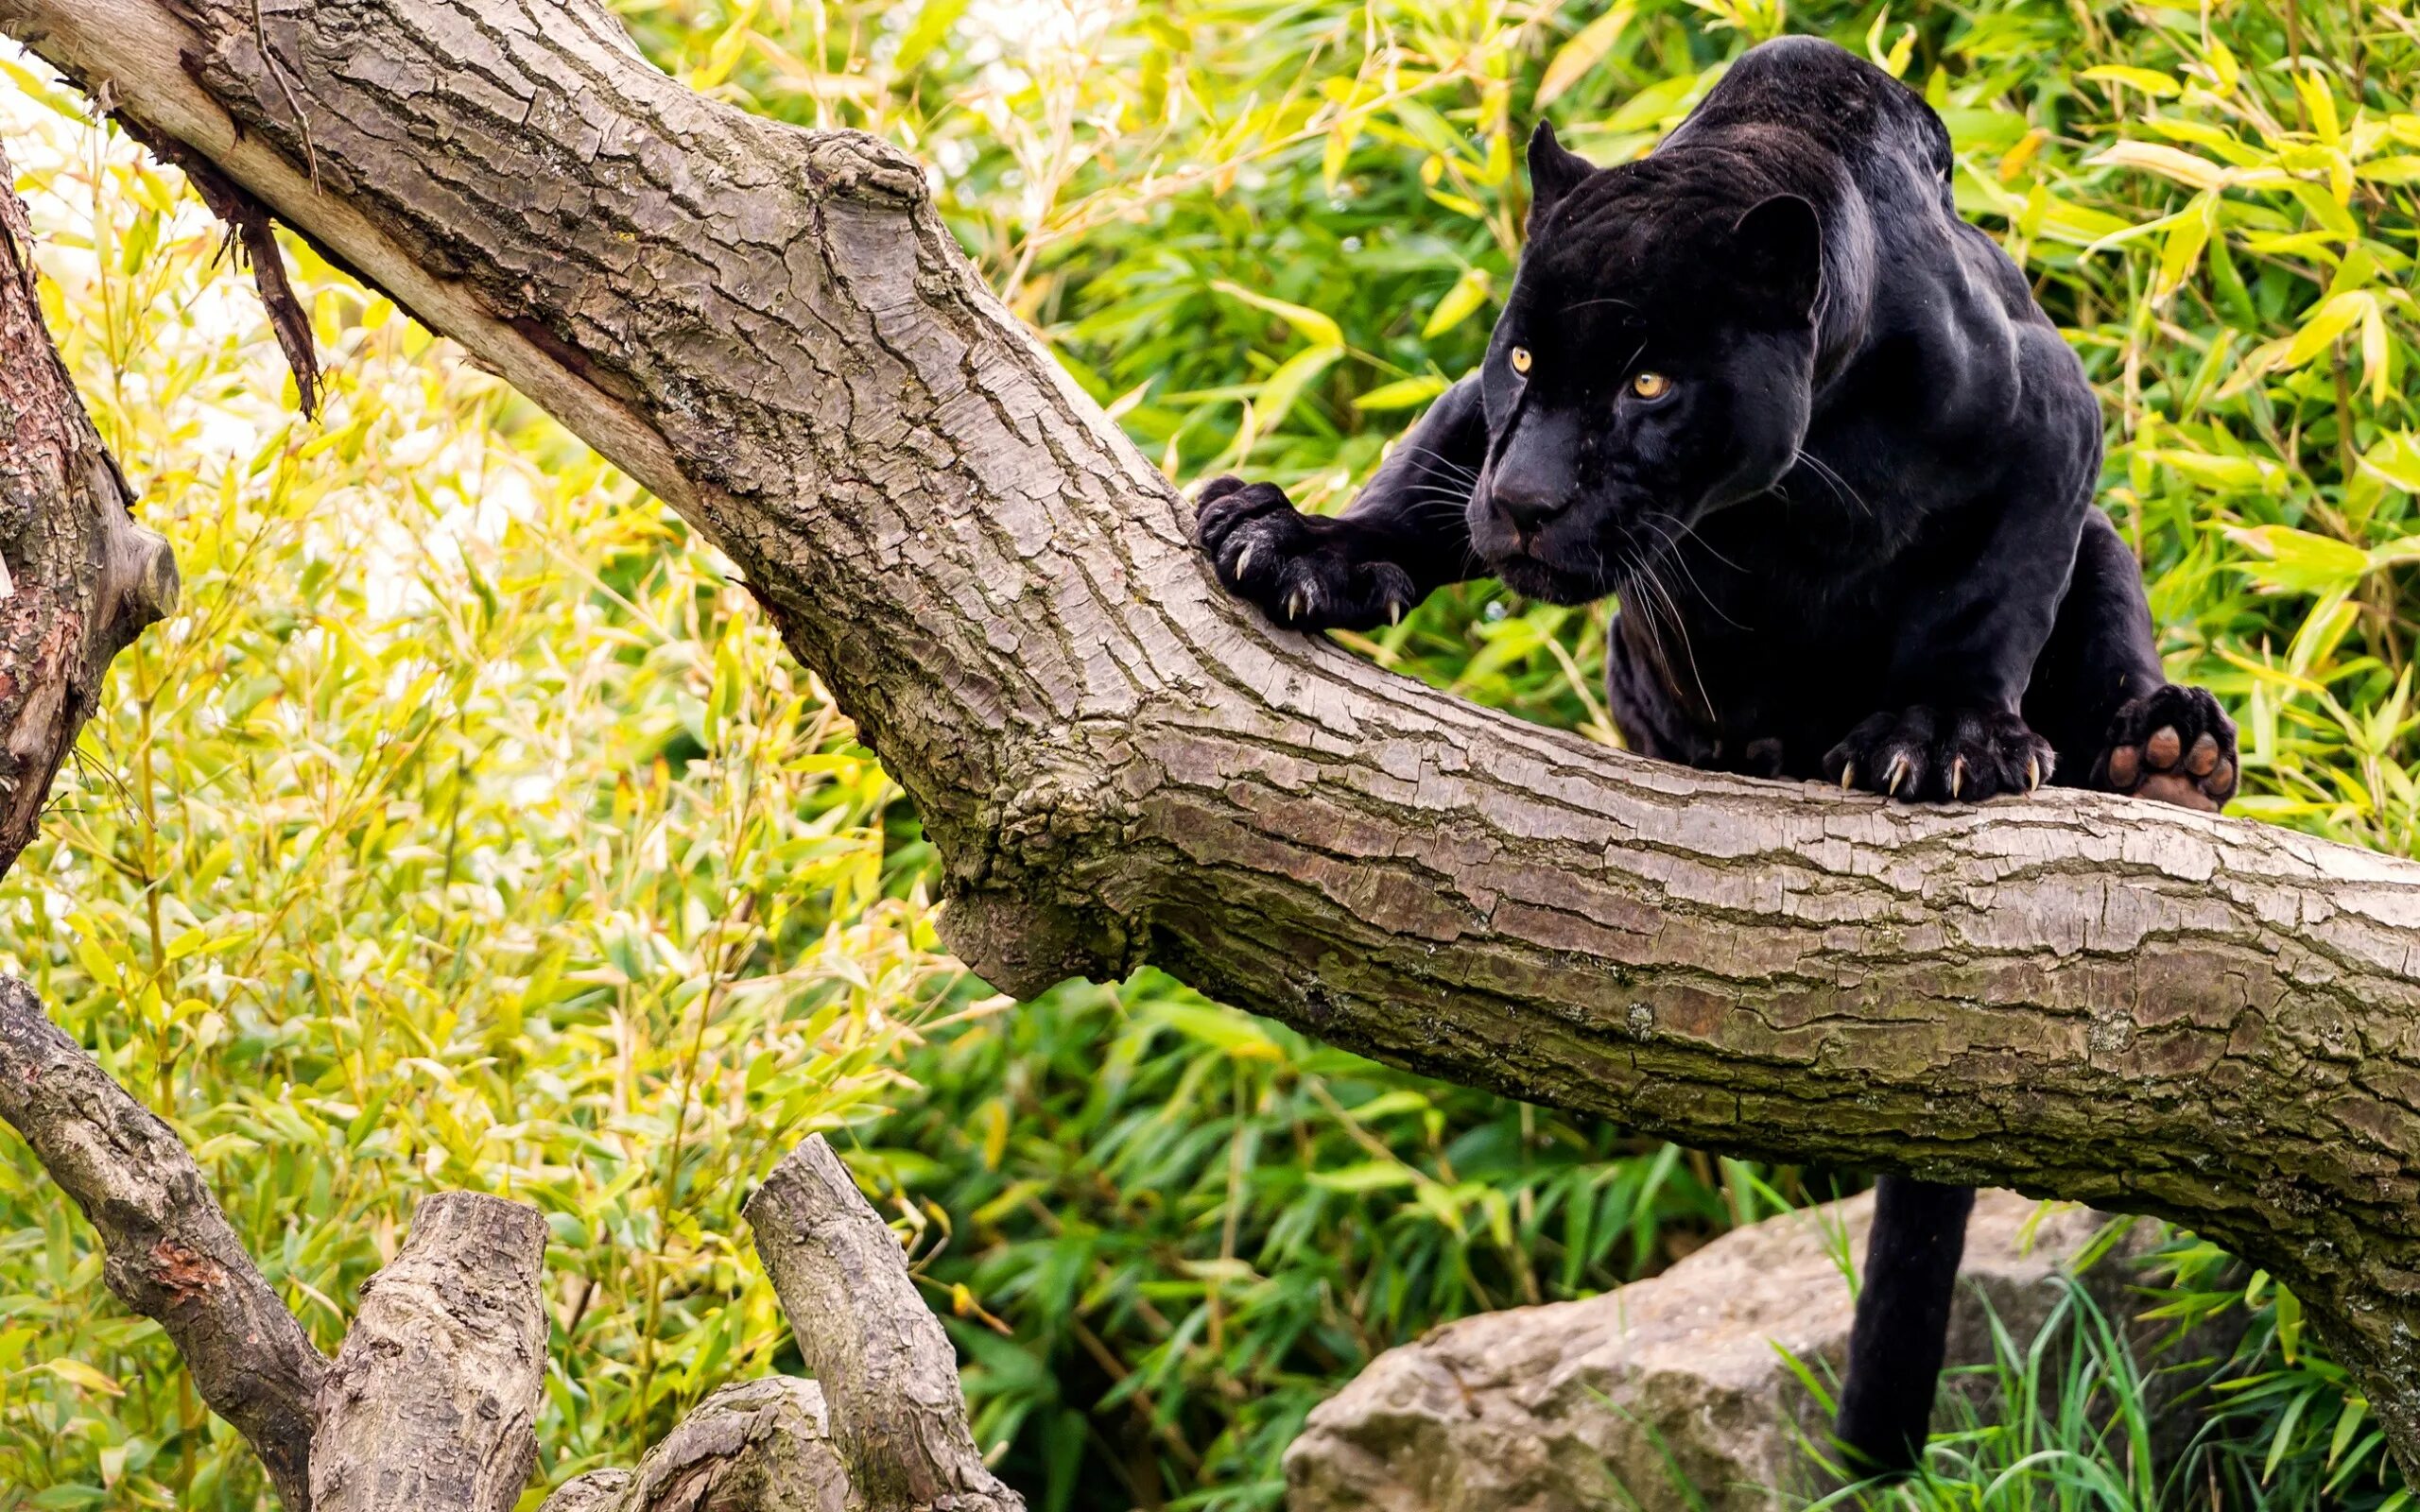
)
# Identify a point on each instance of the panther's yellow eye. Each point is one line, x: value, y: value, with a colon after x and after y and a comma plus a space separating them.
x: 1521, y: 359
x: 1651, y: 385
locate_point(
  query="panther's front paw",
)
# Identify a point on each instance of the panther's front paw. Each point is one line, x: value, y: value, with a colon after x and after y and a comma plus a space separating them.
x: 1940, y: 753
x: 1295, y: 566
x: 2176, y: 745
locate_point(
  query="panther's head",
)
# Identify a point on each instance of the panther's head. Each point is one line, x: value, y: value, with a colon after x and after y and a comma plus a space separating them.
x: 1653, y: 365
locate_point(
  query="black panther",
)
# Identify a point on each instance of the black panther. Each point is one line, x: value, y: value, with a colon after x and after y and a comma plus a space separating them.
x: 1815, y: 434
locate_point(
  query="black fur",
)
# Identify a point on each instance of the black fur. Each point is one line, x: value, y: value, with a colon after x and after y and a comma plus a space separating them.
x: 1852, y: 539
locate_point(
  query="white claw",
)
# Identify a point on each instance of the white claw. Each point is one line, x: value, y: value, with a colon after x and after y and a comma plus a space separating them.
x: 1243, y: 560
x: 1394, y: 611
x: 1848, y: 776
x: 1294, y: 604
x: 2033, y: 773
x: 1957, y: 775
x: 1898, y: 774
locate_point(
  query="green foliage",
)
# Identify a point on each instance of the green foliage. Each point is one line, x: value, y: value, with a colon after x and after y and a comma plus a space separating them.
x: 465, y: 829
x: 1184, y: 1227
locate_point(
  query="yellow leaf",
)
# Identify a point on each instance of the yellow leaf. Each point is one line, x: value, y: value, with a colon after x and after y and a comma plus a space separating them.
x: 2395, y: 461
x: 2012, y: 163
x: 76, y: 1373
x: 1585, y: 51
x: 1895, y: 60
x: 2332, y: 320
x: 2181, y: 251
x: 2242, y: 474
x: 1336, y: 153
x: 1309, y: 323
x: 1469, y: 292
x: 2322, y: 103
x: 995, y: 1133
x: 2150, y: 81
x: 1400, y: 394
x: 2168, y: 161
x: 2402, y: 168
x: 2374, y: 352
x: 2298, y: 561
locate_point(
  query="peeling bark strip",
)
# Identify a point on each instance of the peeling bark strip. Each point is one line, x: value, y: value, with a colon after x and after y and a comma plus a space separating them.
x: 78, y: 577
x: 878, y: 1354
x: 2113, y: 1002
x: 169, y: 1253
x: 433, y: 1400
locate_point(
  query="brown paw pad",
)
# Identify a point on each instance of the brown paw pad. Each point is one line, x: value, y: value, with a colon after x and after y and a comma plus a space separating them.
x: 2174, y: 746
x: 2179, y: 789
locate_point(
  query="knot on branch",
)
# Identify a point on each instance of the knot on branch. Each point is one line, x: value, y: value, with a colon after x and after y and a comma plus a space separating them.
x: 857, y: 165
x: 183, y: 1273
x: 1023, y: 902
x: 1069, y: 808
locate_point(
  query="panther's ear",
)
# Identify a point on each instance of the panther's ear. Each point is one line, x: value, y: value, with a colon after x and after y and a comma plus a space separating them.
x: 1553, y: 172
x: 1780, y: 247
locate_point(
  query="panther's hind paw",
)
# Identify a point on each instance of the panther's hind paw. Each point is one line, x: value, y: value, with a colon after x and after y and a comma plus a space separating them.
x: 2176, y: 745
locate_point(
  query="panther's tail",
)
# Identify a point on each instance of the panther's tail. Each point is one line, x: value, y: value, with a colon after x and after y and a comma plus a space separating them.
x: 1902, y: 1318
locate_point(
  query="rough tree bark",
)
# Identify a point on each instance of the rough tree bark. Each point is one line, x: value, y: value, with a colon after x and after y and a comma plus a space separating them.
x: 878, y: 1354
x: 764, y: 1445
x: 433, y: 1400
x: 168, y: 1250
x: 78, y: 579
x: 2083, y: 997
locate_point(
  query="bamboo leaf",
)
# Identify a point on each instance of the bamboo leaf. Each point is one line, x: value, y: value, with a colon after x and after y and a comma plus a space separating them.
x: 1583, y: 51
x: 1308, y: 323
x: 1459, y: 303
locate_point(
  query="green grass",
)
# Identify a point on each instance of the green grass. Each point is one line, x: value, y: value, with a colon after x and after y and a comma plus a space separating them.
x: 2096, y: 1413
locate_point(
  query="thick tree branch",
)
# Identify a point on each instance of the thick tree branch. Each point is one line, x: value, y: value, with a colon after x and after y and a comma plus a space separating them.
x: 878, y: 1354
x: 170, y: 1254
x: 433, y: 1400
x: 2106, y: 1001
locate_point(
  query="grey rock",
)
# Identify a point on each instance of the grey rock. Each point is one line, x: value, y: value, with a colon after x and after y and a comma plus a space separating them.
x: 1670, y: 1393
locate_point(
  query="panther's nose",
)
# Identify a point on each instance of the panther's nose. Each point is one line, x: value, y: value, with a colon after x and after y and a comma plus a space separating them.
x: 1527, y: 504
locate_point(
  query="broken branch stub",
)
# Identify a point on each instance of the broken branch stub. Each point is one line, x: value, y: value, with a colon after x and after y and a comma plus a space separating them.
x: 432, y: 1402
x: 888, y: 1372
